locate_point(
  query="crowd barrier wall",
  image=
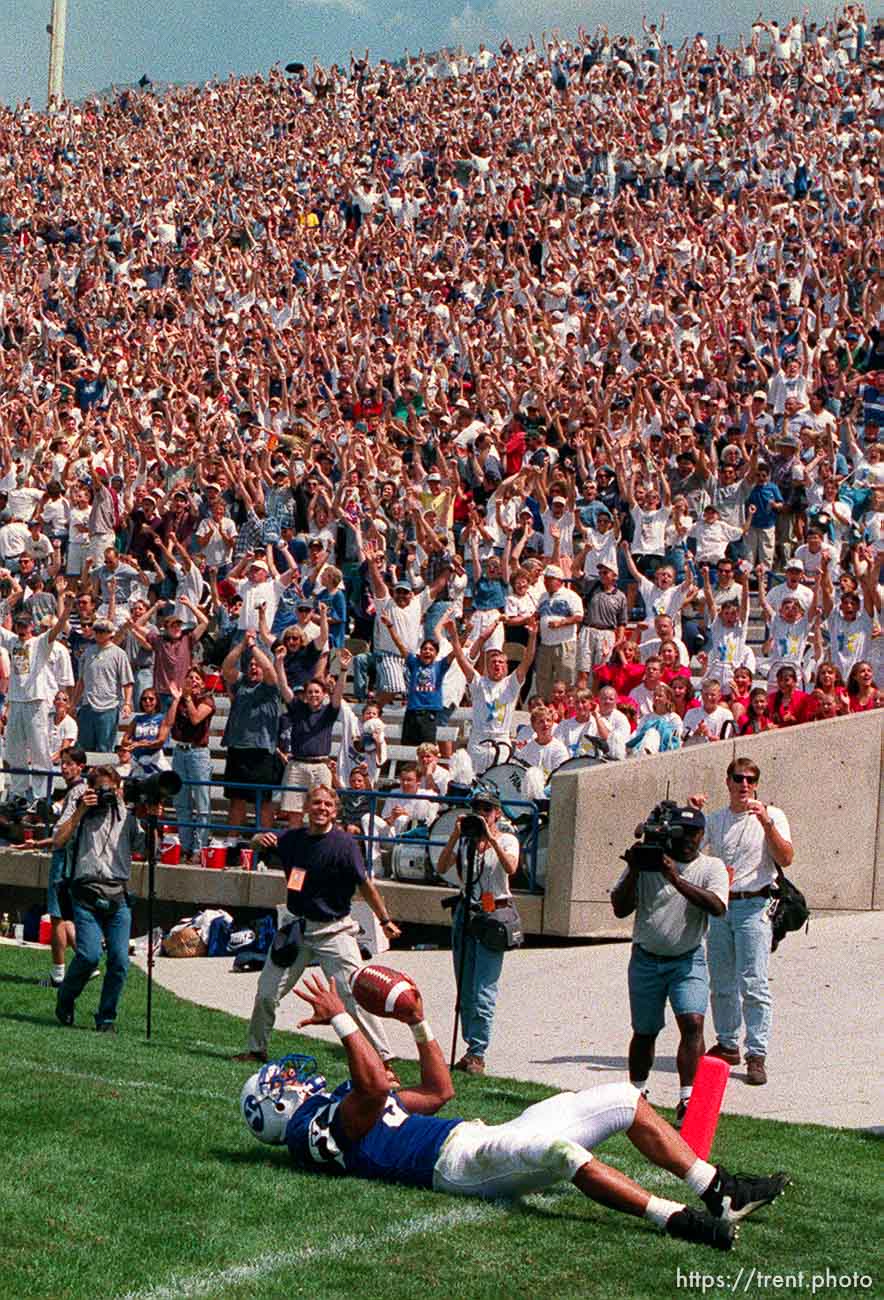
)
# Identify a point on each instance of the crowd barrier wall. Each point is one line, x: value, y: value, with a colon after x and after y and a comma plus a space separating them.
x: 826, y: 776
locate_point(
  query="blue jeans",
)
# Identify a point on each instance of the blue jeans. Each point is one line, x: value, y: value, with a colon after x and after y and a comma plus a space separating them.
x: 97, y: 728
x: 56, y: 871
x: 738, y: 948
x: 192, y: 802
x: 361, y: 666
x: 91, y: 929
x: 478, y: 994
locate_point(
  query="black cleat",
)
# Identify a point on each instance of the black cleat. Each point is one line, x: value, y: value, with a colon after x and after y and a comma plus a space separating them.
x: 732, y: 1197
x: 105, y: 1027
x: 64, y: 1015
x: 702, y: 1228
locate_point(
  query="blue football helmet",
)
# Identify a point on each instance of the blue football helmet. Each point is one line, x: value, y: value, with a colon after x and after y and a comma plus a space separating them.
x: 270, y: 1098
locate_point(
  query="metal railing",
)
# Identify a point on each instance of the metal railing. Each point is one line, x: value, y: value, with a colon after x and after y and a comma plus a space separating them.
x: 370, y: 839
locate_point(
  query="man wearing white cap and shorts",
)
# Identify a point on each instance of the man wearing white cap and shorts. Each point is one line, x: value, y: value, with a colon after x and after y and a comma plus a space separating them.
x: 561, y: 613
x: 405, y: 612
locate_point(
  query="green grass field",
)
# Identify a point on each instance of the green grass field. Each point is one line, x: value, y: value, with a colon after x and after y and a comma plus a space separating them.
x: 126, y: 1171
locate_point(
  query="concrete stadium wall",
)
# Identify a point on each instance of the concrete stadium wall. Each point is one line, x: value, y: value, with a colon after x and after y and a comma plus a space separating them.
x: 825, y: 776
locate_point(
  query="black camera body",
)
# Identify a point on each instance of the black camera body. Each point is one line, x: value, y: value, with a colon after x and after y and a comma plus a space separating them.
x: 106, y: 798
x: 662, y: 834
x: 473, y: 827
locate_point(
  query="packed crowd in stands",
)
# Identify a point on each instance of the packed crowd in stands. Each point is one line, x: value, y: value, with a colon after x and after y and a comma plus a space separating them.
x: 515, y: 387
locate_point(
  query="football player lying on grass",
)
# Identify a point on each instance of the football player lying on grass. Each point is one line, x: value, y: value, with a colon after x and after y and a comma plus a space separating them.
x: 364, y: 1129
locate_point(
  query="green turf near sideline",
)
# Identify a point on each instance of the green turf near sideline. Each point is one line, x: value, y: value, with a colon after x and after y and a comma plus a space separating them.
x: 126, y: 1171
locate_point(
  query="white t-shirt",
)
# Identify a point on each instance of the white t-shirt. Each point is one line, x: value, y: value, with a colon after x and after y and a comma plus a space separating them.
x: 490, y: 877
x: 210, y: 533
x: 662, y: 600
x: 649, y: 537
x: 643, y: 699
x: 788, y: 644
x: 849, y: 642
x: 254, y: 594
x: 714, y: 720
x: 604, y: 551
x: 62, y: 733
x: 650, y: 645
x: 565, y: 526
x: 575, y: 735
x: 60, y: 669
x: 563, y: 603
x: 547, y: 757
x: 728, y: 649
x: 494, y: 704
x: 777, y: 594
x: 739, y: 840
x: 29, y: 676
x: 406, y: 622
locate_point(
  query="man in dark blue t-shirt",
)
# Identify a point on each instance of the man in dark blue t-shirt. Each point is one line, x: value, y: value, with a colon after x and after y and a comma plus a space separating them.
x: 324, y: 869
x: 366, y: 1130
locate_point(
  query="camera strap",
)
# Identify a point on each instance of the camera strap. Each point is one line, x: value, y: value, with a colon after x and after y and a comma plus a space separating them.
x: 478, y: 869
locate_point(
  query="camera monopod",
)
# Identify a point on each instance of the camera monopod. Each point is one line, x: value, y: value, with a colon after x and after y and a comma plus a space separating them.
x: 151, y: 792
x: 465, y: 899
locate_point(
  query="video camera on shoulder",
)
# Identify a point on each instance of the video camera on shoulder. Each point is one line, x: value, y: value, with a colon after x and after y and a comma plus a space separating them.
x: 670, y: 831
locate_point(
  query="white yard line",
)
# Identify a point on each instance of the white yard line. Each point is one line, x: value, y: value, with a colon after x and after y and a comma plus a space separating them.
x: 43, y: 1067
x: 211, y: 1283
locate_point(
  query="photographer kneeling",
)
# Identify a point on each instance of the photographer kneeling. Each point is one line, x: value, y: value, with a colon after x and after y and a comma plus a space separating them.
x: 496, y: 859
x: 102, y: 833
x: 673, y: 889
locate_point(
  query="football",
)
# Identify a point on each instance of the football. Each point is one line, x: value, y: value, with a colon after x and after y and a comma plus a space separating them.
x: 384, y: 992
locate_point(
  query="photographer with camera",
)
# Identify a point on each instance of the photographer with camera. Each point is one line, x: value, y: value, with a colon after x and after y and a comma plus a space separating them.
x: 673, y: 889
x: 486, y: 890
x: 102, y: 833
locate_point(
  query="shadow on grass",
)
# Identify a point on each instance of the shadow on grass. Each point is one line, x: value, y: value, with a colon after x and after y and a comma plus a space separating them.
x: 43, y: 1021
x: 665, y: 1064
x: 33, y: 980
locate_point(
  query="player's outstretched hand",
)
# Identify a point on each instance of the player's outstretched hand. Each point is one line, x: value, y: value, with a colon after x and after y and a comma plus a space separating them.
x: 326, y: 1002
x: 412, y: 1015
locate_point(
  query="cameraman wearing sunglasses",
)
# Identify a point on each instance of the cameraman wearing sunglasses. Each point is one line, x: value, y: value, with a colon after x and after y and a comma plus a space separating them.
x: 496, y: 860
x: 753, y: 840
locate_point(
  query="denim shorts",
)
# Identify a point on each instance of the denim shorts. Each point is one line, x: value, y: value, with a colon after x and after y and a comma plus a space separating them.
x: 682, y: 980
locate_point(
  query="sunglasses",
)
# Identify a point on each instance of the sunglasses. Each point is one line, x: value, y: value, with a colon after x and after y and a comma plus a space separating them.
x: 743, y: 778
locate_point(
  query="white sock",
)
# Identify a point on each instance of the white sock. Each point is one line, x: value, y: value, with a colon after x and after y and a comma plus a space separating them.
x: 684, y: 1094
x: 58, y: 971
x: 699, y: 1177
x: 642, y: 1085
x: 660, y: 1211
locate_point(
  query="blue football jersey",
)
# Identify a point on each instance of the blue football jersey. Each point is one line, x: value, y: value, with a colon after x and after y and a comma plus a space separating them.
x: 400, y: 1148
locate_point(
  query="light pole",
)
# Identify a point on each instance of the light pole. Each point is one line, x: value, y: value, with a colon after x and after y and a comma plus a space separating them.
x: 56, y: 29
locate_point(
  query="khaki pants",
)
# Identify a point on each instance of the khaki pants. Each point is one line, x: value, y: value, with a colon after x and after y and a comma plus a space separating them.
x: 332, y: 946
x: 555, y: 663
x: 760, y: 546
